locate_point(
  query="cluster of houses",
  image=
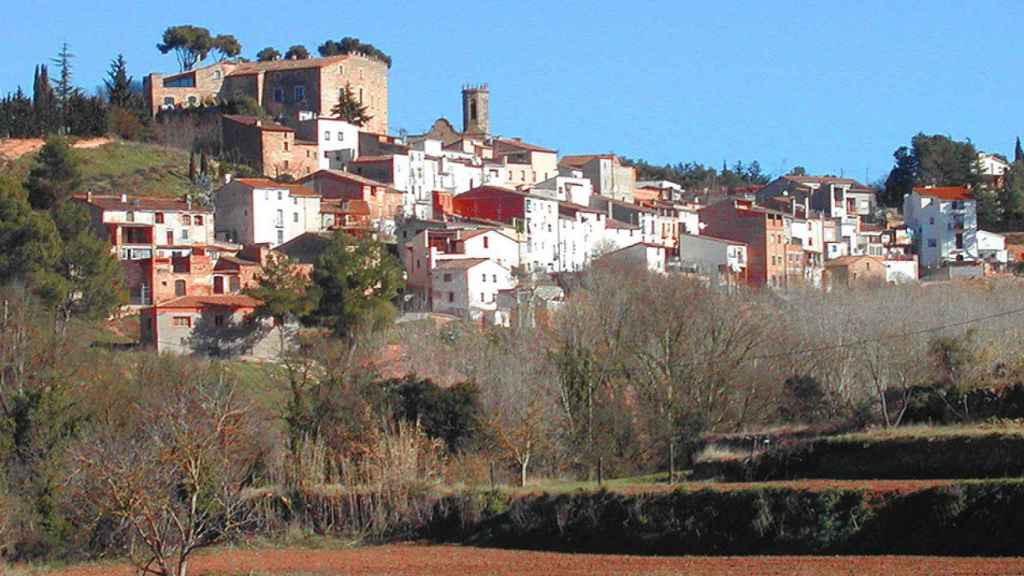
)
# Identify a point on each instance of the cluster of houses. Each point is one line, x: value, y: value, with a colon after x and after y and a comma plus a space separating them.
x: 487, y: 227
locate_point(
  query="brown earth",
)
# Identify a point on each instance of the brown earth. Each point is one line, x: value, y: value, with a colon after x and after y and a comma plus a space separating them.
x: 14, y: 148
x: 418, y: 560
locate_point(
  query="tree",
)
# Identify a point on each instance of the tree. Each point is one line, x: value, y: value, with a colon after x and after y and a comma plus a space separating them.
x: 227, y: 45
x: 349, y: 45
x: 268, y: 54
x: 798, y: 171
x: 192, y: 166
x: 355, y: 280
x: 1011, y: 196
x: 190, y: 44
x: 283, y: 292
x: 296, y: 52
x: 86, y: 281
x: 86, y: 115
x: 1018, y: 152
x: 29, y: 241
x: 931, y: 161
x: 350, y: 109
x: 119, y: 83
x: 16, y: 117
x: 54, y: 177
x: 44, y: 103
x: 64, y: 88
x: 170, y: 465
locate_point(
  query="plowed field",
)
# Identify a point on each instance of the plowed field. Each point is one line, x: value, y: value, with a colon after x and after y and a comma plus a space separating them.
x: 418, y: 560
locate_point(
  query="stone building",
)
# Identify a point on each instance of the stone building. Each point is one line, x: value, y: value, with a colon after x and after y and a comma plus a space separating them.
x: 476, y: 119
x: 284, y: 88
x: 272, y: 149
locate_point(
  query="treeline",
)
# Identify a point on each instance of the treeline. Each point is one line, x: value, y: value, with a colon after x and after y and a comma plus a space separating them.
x: 57, y: 106
x: 697, y: 177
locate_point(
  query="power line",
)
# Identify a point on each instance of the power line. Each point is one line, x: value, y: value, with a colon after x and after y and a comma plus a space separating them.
x: 884, y: 338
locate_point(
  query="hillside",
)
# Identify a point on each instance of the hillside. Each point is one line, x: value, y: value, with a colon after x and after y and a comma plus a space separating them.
x: 122, y: 167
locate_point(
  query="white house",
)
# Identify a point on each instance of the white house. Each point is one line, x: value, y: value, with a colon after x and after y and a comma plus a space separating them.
x: 944, y: 223
x: 992, y: 248
x: 469, y: 287
x: 261, y: 211
x: 580, y: 233
x: 900, y: 269
x: 651, y: 257
x: 337, y: 141
x: 723, y: 262
x: 426, y: 250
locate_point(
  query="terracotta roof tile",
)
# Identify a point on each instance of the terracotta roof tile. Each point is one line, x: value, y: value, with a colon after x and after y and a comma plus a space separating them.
x: 268, y: 125
x: 226, y: 300
x: 266, y: 183
x: 946, y: 192
x: 460, y: 263
x: 140, y: 203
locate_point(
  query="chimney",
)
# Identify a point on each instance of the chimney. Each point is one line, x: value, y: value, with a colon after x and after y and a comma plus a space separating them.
x: 88, y: 196
x: 124, y: 198
x: 227, y: 178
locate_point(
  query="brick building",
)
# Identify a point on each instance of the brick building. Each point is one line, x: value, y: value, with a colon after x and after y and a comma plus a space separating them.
x: 769, y: 262
x: 272, y: 149
x: 282, y: 87
x: 383, y: 201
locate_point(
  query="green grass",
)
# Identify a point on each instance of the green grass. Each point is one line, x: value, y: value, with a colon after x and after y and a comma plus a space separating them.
x: 123, y: 167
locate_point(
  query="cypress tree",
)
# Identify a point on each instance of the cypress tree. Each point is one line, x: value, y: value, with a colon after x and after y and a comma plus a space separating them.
x: 1018, y: 152
x: 192, y: 166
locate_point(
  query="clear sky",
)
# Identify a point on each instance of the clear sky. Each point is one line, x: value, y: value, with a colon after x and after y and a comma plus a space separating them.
x: 833, y: 86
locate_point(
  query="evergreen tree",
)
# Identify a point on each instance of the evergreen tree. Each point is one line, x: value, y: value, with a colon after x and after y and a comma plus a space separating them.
x: 297, y: 52
x: 355, y: 282
x: 349, y: 109
x: 119, y: 83
x: 192, y: 166
x: 283, y: 291
x: 44, y: 103
x: 64, y: 89
x: 16, y: 117
x: 931, y: 161
x: 86, y: 115
x: 29, y: 242
x: 204, y: 163
x: 1018, y: 152
x: 55, y: 176
x: 1011, y: 197
x: 227, y: 45
x: 268, y: 54
x: 87, y: 281
x: 190, y: 44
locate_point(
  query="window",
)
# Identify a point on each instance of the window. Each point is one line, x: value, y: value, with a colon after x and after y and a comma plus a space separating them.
x: 931, y: 243
x: 451, y: 296
x: 280, y: 195
x: 184, y: 233
x: 218, y: 284
x: 447, y: 276
x: 341, y: 136
x: 341, y: 69
x: 182, y: 321
x: 280, y: 236
x: 279, y: 218
x: 216, y: 74
x: 197, y: 220
x: 494, y: 278
x: 482, y: 299
x: 186, y: 220
x: 931, y: 220
x: 285, y: 149
x: 192, y: 101
x: 483, y: 278
x: 169, y: 101
x: 218, y: 320
x: 360, y: 95
x: 285, y: 162
x: 486, y: 243
x: 300, y: 93
x: 179, y: 288
x: 327, y: 135
x: 131, y: 216
x: 295, y: 217
x: 159, y: 217
x: 235, y: 284
x: 278, y: 94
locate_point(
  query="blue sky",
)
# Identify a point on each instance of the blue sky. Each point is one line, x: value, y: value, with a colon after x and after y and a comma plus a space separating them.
x: 833, y: 86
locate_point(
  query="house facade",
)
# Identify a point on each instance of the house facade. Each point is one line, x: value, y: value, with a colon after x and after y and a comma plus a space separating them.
x: 944, y: 224
x: 261, y: 211
x: 469, y: 287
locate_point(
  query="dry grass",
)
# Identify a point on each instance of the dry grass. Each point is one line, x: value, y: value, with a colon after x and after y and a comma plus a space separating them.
x: 924, y: 431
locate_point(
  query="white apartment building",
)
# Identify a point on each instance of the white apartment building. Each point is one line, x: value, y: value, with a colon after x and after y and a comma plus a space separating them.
x: 261, y: 211
x: 944, y: 224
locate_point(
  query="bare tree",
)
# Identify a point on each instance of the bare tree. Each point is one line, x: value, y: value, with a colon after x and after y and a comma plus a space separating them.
x: 170, y: 466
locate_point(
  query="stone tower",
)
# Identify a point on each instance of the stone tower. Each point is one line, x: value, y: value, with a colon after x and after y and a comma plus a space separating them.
x: 475, y: 110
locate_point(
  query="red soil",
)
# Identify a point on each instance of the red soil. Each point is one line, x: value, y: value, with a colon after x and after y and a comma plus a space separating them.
x: 417, y: 560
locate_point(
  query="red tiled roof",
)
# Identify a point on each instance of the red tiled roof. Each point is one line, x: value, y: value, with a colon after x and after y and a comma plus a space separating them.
x: 822, y: 180
x: 275, y: 65
x: 354, y: 207
x: 266, y: 183
x: 140, y: 203
x: 226, y: 300
x: 460, y: 263
x: 268, y: 125
x: 523, y: 145
x: 368, y: 159
x: 616, y: 224
x: 339, y: 175
x: 579, y: 160
x: 946, y: 192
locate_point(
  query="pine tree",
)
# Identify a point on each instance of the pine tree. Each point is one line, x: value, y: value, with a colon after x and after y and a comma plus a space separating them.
x: 119, y: 83
x: 1018, y: 152
x: 64, y: 89
x: 55, y: 177
x: 349, y: 109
